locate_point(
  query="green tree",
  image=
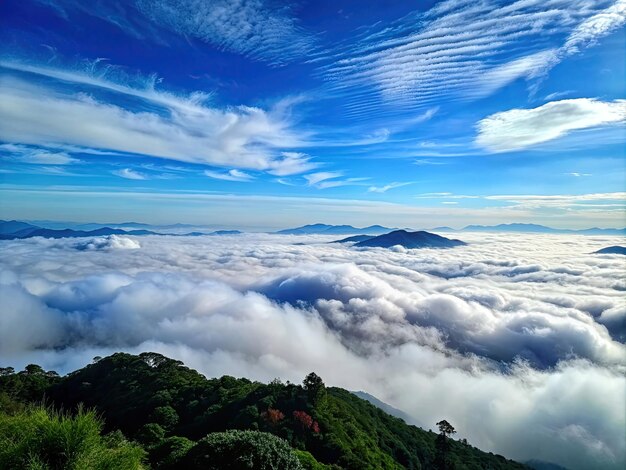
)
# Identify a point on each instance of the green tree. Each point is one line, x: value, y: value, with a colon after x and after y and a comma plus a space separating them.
x: 168, y: 453
x: 166, y: 416
x: 446, y: 428
x: 442, y: 445
x: 150, y: 434
x: 315, y: 388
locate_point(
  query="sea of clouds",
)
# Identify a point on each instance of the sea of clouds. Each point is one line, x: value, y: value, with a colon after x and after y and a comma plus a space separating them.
x: 517, y: 340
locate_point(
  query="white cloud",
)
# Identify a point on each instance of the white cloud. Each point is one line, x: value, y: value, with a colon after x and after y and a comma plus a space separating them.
x: 291, y: 163
x: 314, y: 178
x: 595, y: 27
x: 247, y: 27
x: 530, y: 66
x: 130, y: 174
x: 578, y: 175
x: 426, y: 161
x: 466, y: 49
x: 330, y: 179
x: 565, y: 201
x: 517, y: 129
x: 387, y: 187
x: 37, y: 156
x: 110, y: 242
x: 187, y: 130
x: 530, y: 325
x: 446, y: 195
x: 557, y: 94
x: 345, y: 182
x: 231, y: 175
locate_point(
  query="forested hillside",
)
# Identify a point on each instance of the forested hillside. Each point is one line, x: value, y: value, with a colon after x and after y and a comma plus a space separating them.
x: 179, y: 417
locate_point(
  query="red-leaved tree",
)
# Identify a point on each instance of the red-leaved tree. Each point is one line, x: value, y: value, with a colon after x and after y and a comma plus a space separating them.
x: 273, y: 416
x: 305, y: 421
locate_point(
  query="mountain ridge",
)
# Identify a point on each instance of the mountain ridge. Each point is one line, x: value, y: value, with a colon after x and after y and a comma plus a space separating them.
x: 156, y: 400
x: 24, y: 230
x: 325, y: 229
x: 411, y: 240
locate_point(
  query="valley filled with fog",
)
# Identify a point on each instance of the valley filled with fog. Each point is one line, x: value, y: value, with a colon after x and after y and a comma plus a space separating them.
x: 516, y: 339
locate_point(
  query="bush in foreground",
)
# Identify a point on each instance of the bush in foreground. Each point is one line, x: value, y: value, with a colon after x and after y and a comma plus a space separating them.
x: 240, y: 450
x: 40, y: 439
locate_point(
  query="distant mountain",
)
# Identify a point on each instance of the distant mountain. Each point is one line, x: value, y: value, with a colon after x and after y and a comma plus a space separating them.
x: 534, y: 228
x: 12, y: 230
x: 612, y: 250
x: 324, y: 229
x: 225, y: 232
x: 419, y: 239
x: 70, y: 233
x: 354, y: 238
x: 14, y: 226
x: 601, y: 231
x: 541, y: 465
x: 387, y: 408
x: 124, y: 225
x: 509, y: 228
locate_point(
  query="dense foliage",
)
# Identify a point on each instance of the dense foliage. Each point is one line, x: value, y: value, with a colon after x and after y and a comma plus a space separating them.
x: 179, y: 416
x: 40, y: 439
x: 240, y: 450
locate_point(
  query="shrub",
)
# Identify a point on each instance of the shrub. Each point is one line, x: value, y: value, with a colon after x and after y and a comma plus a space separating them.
x: 168, y: 453
x: 239, y: 450
x: 41, y: 439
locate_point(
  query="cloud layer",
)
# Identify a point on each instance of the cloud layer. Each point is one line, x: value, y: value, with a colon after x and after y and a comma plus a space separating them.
x: 517, y: 340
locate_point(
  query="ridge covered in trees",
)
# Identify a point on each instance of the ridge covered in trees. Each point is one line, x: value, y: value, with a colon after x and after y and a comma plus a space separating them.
x: 183, y: 420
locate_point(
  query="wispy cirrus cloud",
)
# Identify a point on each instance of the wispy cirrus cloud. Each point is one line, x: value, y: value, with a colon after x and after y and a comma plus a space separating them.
x: 252, y: 28
x: 37, y: 155
x: 130, y: 174
x: 595, y: 27
x: 230, y: 175
x: 462, y: 48
x: 387, y: 187
x: 331, y: 179
x: 318, y: 177
x: 616, y: 200
x: 184, y: 128
x: 610, y: 202
x: 517, y: 129
x: 557, y: 94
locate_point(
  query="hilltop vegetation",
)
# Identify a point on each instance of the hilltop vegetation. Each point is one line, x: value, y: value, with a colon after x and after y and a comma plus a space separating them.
x: 184, y: 420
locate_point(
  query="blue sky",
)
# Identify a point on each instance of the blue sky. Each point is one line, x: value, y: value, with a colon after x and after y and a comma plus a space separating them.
x: 259, y: 114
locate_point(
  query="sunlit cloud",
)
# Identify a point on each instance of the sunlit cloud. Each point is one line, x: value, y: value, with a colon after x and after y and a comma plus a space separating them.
x: 517, y: 129
x: 190, y: 131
